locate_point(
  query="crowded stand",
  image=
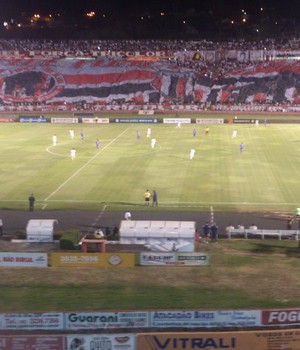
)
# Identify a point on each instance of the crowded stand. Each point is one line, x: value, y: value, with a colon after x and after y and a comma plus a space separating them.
x: 291, y: 43
x: 158, y: 75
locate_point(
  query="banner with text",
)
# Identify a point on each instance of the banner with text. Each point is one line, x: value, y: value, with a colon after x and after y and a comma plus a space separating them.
x: 32, y: 342
x: 32, y: 321
x: 107, y: 320
x: 202, y: 318
x: 173, y: 259
x: 23, y: 259
x: 101, y: 342
x: 266, y: 340
x: 92, y: 259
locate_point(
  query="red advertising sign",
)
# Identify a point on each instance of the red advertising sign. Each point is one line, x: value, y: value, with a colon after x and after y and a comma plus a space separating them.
x: 32, y: 342
x: 281, y: 316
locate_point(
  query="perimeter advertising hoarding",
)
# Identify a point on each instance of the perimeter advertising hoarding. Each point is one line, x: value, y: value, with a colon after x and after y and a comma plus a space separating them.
x: 261, y: 340
x: 209, y: 121
x: 92, y: 259
x: 106, y: 320
x: 205, y: 318
x: 95, y: 120
x: 32, y: 321
x: 101, y: 342
x: 32, y: 342
x: 136, y: 120
x: 32, y: 119
x: 23, y: 259
x: 64, y: 120
x: 244, y: 121
x: 281, y: 317
x: 7, y: 118
x: 174, y: 259
x: 177, y: 120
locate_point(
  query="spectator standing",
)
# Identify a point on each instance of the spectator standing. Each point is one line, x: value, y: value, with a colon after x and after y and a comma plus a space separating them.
x: 115, y: 231
x: 214, y: 232
x: 1, y: 227
x: 289, y: 223
x: 206, y: 230
x: 229, y: 228
x: 154, y: 198
x: 31, y: 202
x: 298, y: 216
x: 127, y: 215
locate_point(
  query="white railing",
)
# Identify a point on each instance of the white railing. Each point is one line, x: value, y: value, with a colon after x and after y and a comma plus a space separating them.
x: 262, y: 233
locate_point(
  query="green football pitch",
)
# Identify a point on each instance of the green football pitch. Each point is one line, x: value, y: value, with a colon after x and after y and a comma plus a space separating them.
x: 262, y: 177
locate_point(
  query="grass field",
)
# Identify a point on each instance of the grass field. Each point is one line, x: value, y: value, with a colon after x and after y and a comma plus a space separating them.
x: 242, y: 274
x: 263, y: 177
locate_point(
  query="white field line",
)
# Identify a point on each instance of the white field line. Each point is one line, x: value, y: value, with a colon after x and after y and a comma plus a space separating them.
x: 99, y: 216
x: 162, y: 204
x: 84, y: 166
x: 212, y: 218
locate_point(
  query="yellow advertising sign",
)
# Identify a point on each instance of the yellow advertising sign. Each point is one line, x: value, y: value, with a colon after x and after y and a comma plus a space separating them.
x: 74, y: 259
x: 264, y: 340
x: 92, y: 259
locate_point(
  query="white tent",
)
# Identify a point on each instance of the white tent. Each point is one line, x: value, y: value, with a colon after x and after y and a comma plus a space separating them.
x: 159, y: 235
x: 40, y: 230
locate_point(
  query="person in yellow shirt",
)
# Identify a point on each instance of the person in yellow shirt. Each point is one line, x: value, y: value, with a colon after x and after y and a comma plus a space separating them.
x: 147, y: 196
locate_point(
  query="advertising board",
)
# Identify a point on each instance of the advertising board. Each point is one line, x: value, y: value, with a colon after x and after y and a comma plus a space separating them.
x: 173, y: 259
x: 281, y: 317
x: 177, y: 120
x: 92, y: 259
x: 23, y: 259
x: 106, y: 320
x: 101, y: 342
x: 262, y: 340
x: 32, y: 321
x: 205, y: 318
x: 136, y: 120
x: 64, y: 120
x: 32, y: 342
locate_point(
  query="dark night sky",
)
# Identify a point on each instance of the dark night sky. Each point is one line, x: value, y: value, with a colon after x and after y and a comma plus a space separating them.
x: 133, y: 18
x: 287, y: 8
